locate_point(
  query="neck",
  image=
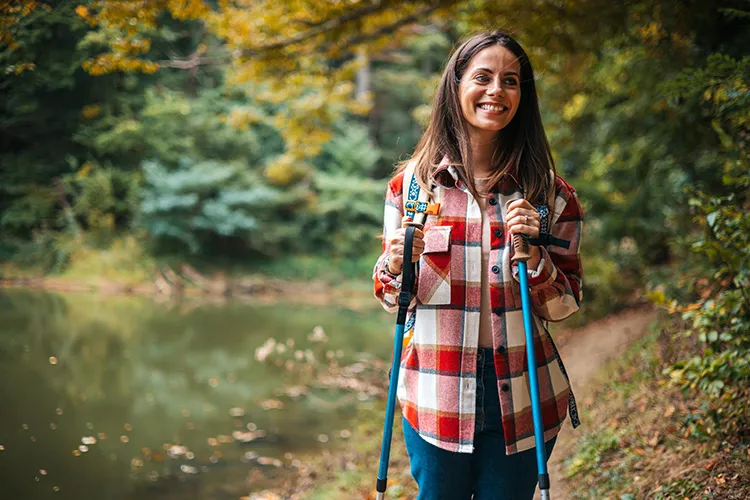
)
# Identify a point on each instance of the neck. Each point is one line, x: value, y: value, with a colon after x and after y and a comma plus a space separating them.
x: 483, y: 145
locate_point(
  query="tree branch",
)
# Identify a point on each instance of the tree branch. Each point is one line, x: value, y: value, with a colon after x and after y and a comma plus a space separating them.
x: 337, y: 22
x: 390, y: 28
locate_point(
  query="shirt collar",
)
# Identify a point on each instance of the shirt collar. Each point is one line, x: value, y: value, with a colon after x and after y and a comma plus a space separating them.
x: 445, y: 175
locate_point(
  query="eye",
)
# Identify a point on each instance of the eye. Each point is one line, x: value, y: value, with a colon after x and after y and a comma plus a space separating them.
x: 510, y: 81
x: 482, y: 78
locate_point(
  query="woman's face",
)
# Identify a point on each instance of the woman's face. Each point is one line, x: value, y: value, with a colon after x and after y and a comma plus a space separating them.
x: 490, y: 90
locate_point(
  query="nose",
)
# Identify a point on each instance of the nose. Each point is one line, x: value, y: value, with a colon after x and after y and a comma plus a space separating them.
x: 495, y: 87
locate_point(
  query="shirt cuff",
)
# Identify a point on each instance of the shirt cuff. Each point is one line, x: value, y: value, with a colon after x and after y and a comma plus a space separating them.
x: 391, y: 282
x: 544, y: 274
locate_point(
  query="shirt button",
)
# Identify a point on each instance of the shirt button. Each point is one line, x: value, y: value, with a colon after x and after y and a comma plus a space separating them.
x: 501, y: 349
x: 498, y: 311
x: 495, y: 269
x: 493, y: 201
x: 505, y: 387
x: 498, y: 233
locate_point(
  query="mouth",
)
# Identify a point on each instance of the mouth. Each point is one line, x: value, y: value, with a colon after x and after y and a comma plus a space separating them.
x: 492, y: 109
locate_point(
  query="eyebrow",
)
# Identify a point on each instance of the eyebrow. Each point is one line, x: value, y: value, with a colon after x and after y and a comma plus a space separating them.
x: 487, y: 70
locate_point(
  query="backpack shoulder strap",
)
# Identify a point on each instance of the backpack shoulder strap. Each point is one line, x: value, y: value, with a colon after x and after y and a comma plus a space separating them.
x: 416, y: 200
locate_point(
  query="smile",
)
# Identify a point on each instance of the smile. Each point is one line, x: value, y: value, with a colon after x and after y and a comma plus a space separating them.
x: 492, y: 108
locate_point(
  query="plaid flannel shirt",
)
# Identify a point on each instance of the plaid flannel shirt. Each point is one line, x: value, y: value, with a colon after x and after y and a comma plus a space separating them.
x: 437, y: 378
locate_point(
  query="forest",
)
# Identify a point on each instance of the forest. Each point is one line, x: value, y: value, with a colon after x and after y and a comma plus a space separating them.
x: 257, y: 138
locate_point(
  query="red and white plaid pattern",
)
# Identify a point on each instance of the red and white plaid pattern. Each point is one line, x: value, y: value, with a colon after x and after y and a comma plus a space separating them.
x: 437, y: 380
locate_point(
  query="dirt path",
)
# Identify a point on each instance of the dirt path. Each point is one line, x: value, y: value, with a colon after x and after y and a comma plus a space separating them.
x: 584, y: 351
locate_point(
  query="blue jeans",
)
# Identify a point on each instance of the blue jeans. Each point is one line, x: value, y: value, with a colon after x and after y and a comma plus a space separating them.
x: 487, y: 473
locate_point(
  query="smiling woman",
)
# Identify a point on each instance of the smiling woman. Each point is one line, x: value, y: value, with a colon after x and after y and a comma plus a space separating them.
x: 485, y: 163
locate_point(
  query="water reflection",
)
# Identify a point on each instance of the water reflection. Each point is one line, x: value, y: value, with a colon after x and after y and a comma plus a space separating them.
x: 119, y: 397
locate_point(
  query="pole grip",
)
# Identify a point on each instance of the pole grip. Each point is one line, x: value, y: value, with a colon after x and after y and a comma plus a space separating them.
x: 520, y: 249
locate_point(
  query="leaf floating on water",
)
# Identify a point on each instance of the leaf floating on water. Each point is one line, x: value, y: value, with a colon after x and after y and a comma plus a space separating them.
x: 55, y: 488
x: 124, y: 438
x: 236, y: 412
x: 2, y: 448
x: 176, y: 451
x: 246, y: 437
x: 59, y: 411
x: 345, y: 433
x: 251, y: 426
x: 53, y: 426
x: 88, y: 440
x: 213, y: 381
x: 318, y: 335
x: 76, y: 453
x: 52, y: 360
x: 322, y: 438
x: 42, y: 472
x: 262, y: 352
x: 83, y: 448
x: 127, y: 427
x: 189, y: 469
x: 270, y: 461
x: 102, y: 436
x: 272, y: 404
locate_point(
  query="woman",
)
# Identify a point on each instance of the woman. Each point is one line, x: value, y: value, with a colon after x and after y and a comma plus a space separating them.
x: 463, y: 386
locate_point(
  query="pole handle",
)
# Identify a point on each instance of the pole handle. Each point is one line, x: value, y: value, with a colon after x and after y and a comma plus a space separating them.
x: 520, y: 249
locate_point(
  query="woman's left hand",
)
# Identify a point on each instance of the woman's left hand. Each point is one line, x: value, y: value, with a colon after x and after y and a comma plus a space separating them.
x: 523, y: 218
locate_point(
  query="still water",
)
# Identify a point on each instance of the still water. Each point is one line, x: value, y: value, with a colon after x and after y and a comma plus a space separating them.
x: 119, y: 398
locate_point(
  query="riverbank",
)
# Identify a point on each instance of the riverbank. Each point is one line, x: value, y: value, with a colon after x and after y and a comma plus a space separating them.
x: 182, y: 281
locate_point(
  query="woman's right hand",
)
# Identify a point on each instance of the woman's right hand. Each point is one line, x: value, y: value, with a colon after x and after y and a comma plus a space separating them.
x: 396, y: 260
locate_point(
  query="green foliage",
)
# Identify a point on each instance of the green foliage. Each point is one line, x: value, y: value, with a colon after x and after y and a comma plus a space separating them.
x: 719, y: 319
x: 199, y: 202
x: 590, y: 451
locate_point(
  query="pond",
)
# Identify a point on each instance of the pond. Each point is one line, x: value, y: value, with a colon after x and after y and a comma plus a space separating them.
x: 115, y: 398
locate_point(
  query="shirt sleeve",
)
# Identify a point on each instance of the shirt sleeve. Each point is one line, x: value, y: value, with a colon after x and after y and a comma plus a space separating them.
x: 386, y: 285
x: 555, y: 286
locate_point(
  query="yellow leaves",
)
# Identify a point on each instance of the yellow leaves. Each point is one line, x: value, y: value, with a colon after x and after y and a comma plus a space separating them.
x: 652, y: 33
x: 574, y: 107
x: 91, y: 111
x: 283, y: 170
x: 183, y: 10
x: 109, y: 63
x: 84, y: 171
x: 17, y: 69
x: 82, y: 11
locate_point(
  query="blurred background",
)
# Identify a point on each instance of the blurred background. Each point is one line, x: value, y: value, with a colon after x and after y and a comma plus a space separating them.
x: 191, y: 197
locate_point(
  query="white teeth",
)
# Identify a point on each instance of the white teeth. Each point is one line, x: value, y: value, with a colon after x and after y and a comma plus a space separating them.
x: 490, y: 107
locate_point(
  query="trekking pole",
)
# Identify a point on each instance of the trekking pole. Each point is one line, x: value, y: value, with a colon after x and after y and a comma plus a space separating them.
x: 521, y: 247
x: 404, y: 298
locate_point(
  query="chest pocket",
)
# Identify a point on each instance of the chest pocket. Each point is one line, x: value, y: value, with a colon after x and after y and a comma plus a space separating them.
x: 434, y: 281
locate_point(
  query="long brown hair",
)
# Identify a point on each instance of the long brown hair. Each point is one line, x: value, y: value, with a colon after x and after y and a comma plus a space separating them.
x: 523, y: 147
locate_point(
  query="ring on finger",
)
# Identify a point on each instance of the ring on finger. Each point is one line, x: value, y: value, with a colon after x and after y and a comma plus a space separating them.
x: 526, y: 219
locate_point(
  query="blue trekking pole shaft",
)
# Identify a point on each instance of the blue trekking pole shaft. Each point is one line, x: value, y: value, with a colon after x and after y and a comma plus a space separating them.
x: 521, y: 247
x: 404, y: 298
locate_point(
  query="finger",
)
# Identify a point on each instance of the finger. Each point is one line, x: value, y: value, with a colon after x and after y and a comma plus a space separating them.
x: 521, y: 212
x: 519, y: 203
x: 531, y: 231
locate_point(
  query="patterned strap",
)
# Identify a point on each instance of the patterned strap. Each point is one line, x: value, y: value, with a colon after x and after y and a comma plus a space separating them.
x: 572, y: 406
